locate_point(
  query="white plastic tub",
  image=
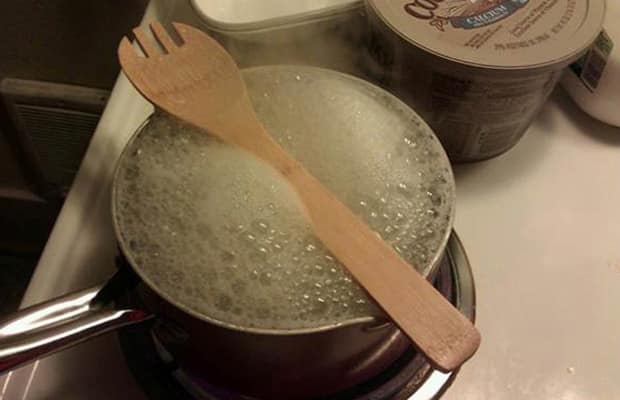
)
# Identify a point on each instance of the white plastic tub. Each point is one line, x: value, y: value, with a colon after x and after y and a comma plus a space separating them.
x: 324, y: 33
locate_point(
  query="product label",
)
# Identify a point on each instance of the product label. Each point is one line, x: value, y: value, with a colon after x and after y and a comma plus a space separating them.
x: 464, y: 14
x: 502, y: 33
x: 590, y: 68
x: 475, y: 119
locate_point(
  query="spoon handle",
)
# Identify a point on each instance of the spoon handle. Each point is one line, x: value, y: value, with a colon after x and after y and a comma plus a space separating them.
x: 440, y: 331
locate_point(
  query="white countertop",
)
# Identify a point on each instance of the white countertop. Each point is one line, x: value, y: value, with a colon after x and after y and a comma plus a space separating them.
x: 541, y: 226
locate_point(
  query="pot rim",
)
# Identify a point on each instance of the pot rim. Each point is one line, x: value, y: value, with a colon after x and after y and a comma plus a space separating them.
x: 379, y: 321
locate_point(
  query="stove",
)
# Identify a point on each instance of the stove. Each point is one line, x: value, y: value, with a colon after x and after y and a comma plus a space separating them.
x: 540, y: 225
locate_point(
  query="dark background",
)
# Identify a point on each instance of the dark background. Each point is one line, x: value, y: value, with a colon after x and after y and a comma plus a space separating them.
x: 62, y: 41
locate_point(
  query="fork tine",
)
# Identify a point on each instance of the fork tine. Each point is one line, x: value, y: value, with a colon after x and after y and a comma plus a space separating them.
x: 146, y: 43
x: 185, y: 32
x: 191, y: 35
x: 162, y: 37
x: 126, y: 51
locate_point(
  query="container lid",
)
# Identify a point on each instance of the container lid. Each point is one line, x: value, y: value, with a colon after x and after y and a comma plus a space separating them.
x: 502, y: 34
x: 259, y: 14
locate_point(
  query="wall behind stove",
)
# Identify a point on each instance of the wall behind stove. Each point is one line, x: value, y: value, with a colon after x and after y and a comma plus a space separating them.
x: 63, y: 41
x: 66, y: 41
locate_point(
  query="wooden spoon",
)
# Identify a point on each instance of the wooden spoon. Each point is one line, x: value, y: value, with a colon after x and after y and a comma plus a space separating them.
x: 198, y: 82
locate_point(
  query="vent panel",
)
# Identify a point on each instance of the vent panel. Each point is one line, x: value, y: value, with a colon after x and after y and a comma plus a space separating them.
x: 54, y: 124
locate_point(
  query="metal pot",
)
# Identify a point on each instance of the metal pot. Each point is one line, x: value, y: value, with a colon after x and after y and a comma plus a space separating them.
x: 273, y: 363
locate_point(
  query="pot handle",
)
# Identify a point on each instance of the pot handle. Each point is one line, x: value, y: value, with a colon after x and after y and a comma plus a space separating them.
x: 46, y: 328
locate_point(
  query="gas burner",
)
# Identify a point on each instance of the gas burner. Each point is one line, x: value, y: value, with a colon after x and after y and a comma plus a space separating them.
x: 408, y: 378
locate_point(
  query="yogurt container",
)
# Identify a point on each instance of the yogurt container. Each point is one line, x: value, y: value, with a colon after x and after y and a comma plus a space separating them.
x: 478, y: 71
x: 593, y: 81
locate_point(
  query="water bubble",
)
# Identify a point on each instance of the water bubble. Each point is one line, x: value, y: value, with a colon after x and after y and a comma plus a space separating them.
x: 227, y: 256
x: 238, y: 286
x: 389, y: 230
x: 432, y: 212
x: 266, y: 278
x: 223, y: 302
x: 403, y: 189
x: 261, y: 225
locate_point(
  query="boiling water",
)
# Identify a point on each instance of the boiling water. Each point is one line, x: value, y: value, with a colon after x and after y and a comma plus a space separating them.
x: 223, y: 234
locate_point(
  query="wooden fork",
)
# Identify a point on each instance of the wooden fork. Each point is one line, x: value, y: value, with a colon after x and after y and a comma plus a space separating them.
x: 197, y: 81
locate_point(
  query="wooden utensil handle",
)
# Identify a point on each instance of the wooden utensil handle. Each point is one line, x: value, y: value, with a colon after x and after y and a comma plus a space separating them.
x: 447, y: 337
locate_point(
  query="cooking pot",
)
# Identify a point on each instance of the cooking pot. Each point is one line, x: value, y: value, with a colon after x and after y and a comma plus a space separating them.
x: 371, y: 137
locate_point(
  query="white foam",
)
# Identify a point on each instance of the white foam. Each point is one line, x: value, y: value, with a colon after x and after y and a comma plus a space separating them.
x: 224, y: 234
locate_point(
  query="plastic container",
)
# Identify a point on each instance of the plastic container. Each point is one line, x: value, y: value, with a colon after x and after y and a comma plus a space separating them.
x: 478, y: 71
x: 594, y: 80
x: 324, y: 33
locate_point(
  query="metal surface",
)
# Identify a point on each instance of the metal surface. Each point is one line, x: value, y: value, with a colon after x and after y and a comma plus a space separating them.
x: 41, y: 330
